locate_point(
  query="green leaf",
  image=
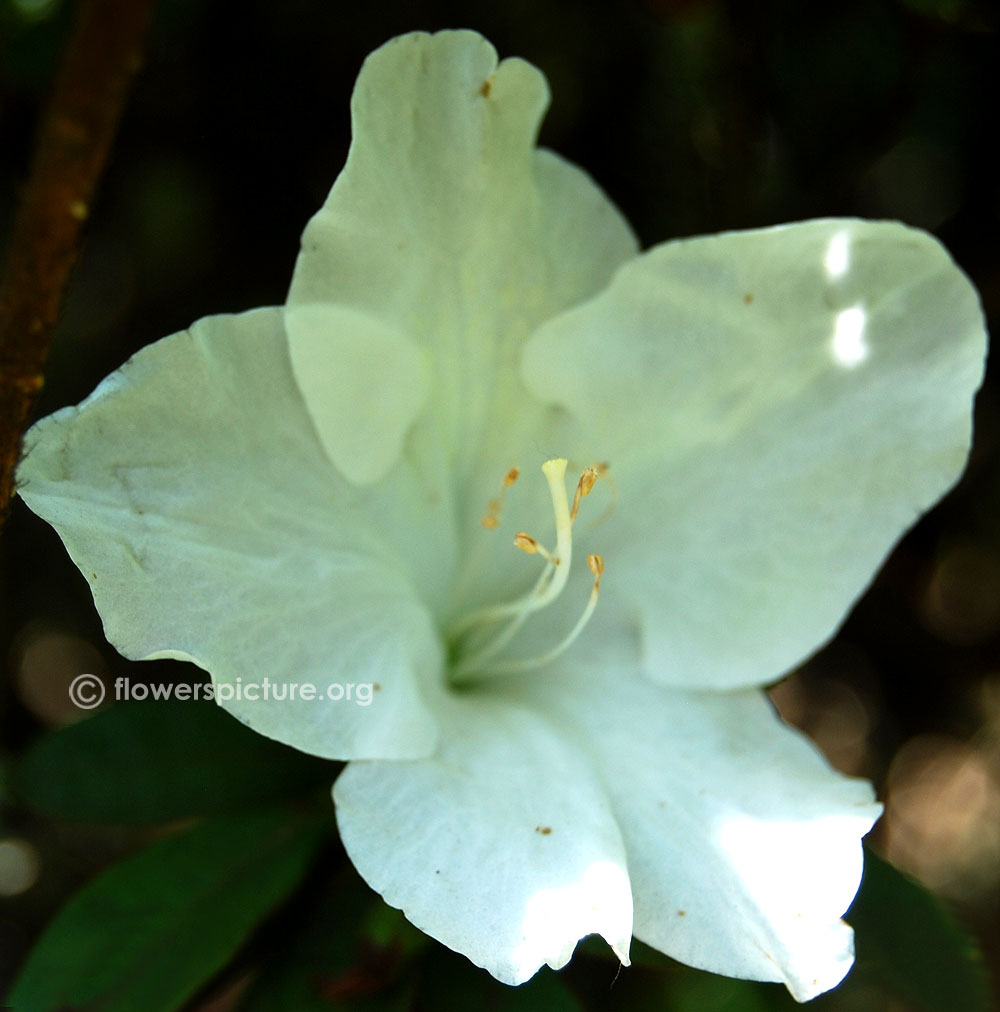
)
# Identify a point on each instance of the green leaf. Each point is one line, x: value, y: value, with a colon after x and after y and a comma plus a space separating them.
x: 347, y: 951
x: 146, y: 933
x: 160, y: 760
x: 697, y: 992
x: 909, y: 941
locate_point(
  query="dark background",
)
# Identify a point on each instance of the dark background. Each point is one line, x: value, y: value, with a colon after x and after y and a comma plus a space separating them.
x: 694, y: 117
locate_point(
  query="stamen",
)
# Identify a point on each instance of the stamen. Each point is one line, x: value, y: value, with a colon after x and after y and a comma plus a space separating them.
x: 474, y: 662
x: 494, y: 508
x: 583, y: 487
x: 596, y: 564
x: 550, y: 584
x: 525, y: 542
x: 530, y: 545
x: 546, y: 590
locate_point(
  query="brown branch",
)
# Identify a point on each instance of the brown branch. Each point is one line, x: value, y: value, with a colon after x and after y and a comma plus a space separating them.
x: 74, y: 138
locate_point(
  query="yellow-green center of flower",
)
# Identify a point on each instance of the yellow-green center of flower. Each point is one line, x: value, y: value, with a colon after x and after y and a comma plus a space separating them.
x: 485, y: 634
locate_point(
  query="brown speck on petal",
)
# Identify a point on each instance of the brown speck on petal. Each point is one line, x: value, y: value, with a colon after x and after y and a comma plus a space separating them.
x: 544, y: 830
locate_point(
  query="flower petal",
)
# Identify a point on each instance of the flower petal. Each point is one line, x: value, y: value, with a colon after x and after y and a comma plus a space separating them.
x: 777, y: 407
x: 501, y: 846
x: 191, y: 491
x: 743, y: 845
x: 446, y: 239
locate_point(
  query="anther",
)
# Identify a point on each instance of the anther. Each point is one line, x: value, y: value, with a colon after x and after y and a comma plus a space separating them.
x: 531, y: 545
x: 525, y: 542
x: 583, y: 487
x: 596, y: 565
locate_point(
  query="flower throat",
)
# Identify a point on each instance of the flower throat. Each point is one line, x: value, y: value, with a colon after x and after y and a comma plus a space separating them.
x: 480, y: 638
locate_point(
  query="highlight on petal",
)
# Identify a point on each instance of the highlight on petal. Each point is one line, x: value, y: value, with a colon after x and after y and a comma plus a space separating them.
x: 820, y: 860
x: 191, y: 491
x: 441, y: 246
x: 743, y: 846
x: 778, y: 407
x: 837, y: 258
x: 501, y: 845
x: 600, y: 899
x: 849, y: 345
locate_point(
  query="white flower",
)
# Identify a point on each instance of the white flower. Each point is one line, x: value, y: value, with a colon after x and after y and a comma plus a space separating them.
x: 325, y: 493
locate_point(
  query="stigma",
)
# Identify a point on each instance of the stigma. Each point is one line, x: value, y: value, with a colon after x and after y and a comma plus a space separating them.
x: 484, y: 635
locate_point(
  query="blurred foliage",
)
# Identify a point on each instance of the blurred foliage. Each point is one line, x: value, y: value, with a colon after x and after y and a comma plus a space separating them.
x: 342, y: 949
x: 149, y: 930
x: 158, y: 760
x: 913, y: 946
x: 695, y: 116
